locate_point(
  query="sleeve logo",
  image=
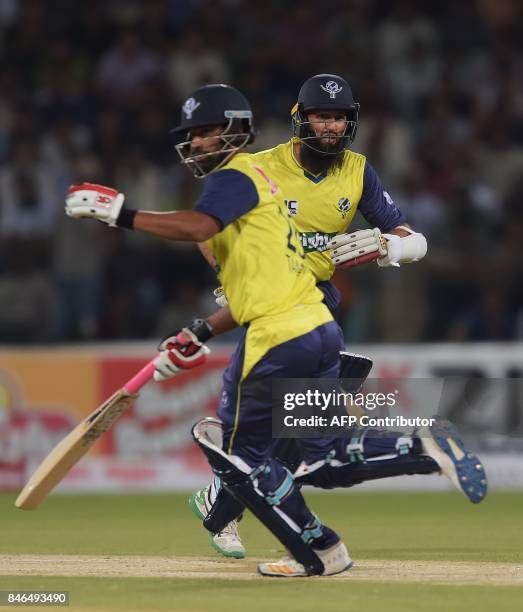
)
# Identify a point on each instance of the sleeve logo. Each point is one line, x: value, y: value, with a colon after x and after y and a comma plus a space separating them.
x: 390, y: 201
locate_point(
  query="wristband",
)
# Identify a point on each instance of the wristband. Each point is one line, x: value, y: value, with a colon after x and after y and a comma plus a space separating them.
x: 202, y: 329
x: 126, y: 218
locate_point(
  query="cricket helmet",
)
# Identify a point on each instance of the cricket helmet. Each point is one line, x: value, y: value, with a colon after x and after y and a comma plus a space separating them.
x: 325, y: 92
x: 214, y: 105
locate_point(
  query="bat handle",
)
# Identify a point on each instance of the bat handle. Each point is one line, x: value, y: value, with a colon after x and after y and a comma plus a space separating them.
x: 358, y: 261
x: 140, y: 379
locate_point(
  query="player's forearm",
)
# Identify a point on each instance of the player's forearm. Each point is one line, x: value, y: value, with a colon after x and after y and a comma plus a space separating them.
x: 189, y: 225
x: 221, y: 321
x: 206, y: 252
x: 400, y: 230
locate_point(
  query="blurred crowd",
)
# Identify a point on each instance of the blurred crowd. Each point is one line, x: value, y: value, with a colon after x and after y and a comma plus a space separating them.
x: 90, y: 90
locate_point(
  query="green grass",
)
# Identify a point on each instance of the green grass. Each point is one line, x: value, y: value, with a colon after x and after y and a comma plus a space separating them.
x: 374, y: 525
x: 270, y: 595
x: 428, y: 526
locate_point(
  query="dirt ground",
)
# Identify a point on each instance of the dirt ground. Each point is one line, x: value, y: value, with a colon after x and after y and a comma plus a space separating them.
x: 369, y: 570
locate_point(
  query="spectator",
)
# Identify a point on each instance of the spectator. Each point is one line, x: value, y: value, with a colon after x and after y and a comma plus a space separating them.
x: 27, y: 296
x: 125, y: 70
x: 90, y: 91
x: 192, y: 63
x: 27, y: 195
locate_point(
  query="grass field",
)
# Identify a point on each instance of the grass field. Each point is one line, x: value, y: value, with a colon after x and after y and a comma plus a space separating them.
x: 426, y: 551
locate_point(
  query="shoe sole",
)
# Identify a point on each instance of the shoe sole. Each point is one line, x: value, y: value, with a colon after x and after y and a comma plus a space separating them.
x: 268, y: 575
x: 463, y: 468
x: 234, y: 554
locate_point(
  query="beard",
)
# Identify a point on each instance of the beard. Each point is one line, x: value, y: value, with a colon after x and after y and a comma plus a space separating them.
x: 321, y: 161
x: 208, y: 162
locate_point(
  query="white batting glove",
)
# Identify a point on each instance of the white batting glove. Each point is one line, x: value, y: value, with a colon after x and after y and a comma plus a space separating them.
x: 403, y: 249
x: 393, y: 256
x: 94, y: 201
x: 220, y: 298
x: 360, y: 247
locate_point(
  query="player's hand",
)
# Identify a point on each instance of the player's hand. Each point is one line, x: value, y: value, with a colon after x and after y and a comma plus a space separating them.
x: 94, y: 201
x: 181, y: 351
x: 363, y: 246
x: 219, y: 296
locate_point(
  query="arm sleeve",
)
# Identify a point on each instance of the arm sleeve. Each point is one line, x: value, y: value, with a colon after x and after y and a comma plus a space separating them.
x: 376, y: 205
x: 227, y: 195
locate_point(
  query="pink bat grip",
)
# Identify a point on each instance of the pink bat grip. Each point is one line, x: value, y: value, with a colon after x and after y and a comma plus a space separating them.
x: 140, y: 379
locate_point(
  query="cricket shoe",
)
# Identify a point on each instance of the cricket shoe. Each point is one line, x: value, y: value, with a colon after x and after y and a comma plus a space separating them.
x: 459, y: 465
x: 335, y: 560
x: 227, y: 542
x: 200, y: 503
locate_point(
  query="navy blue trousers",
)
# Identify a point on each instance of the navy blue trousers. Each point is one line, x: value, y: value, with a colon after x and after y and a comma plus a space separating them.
x: 246, y: 412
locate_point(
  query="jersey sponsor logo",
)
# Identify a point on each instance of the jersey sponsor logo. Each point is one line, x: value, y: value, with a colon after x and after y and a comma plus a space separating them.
x: 189, y: 107
x: 292, y: 207
x: 315, y: 241
x: 332, y: 88
x: 343, y: 206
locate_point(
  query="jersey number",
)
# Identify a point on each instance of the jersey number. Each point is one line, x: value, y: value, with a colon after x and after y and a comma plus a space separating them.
x: 292, y: 232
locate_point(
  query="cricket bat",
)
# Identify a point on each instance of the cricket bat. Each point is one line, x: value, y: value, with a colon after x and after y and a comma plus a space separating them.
x: 74, y: 446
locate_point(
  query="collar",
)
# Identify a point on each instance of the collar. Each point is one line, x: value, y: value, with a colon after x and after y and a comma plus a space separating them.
x: 315, y: 178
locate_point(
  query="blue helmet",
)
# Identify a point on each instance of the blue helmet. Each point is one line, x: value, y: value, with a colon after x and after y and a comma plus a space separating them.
x: 214, y: 105
x: 325, y: 92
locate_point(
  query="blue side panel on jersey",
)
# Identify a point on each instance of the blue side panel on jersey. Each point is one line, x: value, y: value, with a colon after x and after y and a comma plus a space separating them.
x: 331, y: 296
x: 228, y: 195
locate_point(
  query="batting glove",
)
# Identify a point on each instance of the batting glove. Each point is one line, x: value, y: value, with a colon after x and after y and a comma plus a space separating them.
x: 363, y: 246
x: 183, y: 350
x: 94, y: 201
x: 403, y: 249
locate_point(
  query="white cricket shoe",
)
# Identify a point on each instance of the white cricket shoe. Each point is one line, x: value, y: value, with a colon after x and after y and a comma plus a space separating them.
x: 335, y: 560
x: 227, y: 542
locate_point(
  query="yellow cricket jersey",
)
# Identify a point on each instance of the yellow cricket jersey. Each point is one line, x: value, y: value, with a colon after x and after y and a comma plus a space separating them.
x: 261, y: 261
x: 321, y: 206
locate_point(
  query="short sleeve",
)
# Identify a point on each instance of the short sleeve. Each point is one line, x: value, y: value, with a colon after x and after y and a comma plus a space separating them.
x: 228, y: 195
x: 376, y: 205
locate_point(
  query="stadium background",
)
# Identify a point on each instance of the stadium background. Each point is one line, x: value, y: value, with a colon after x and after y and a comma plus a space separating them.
x: 90, y: 91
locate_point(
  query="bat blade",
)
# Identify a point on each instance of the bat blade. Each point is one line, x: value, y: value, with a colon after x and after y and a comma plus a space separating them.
x: 71, y: 449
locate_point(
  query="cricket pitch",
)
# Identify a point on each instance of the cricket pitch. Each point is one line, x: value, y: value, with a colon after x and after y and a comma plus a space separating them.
x: 368, y: 570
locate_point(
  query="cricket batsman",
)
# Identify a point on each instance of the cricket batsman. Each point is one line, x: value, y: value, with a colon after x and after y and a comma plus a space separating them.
x: 269, y: 289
